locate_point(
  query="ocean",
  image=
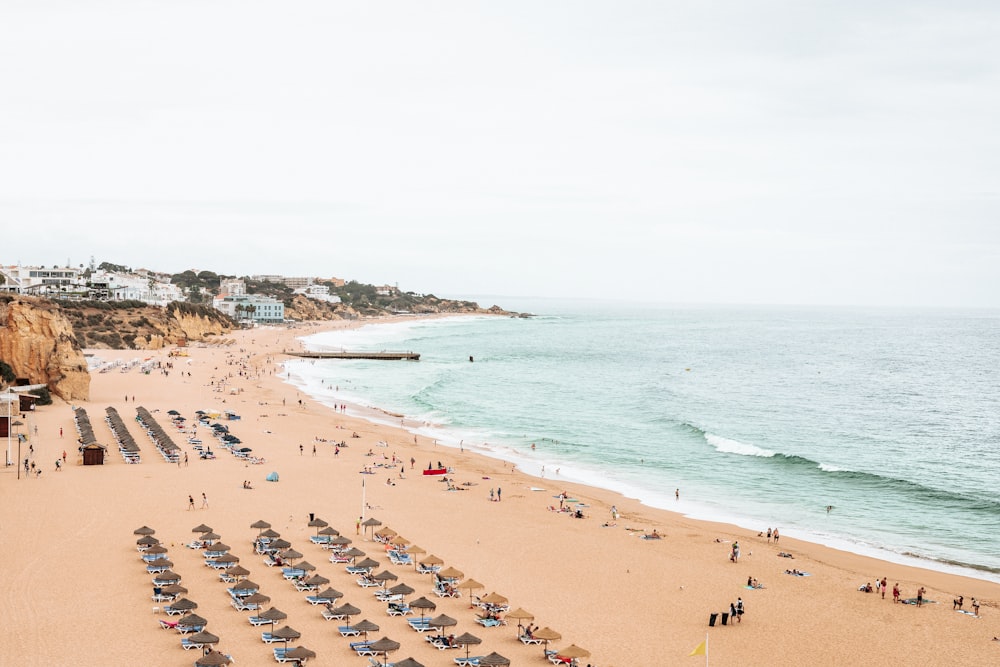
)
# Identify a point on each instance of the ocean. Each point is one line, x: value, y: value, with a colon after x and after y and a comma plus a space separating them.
x: 759, y: 416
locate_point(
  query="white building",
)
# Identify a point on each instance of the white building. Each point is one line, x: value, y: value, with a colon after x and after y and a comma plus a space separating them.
x: 38, y: 279
x: 319, y: 293
x: 234, y: 287
x: 253, y: 307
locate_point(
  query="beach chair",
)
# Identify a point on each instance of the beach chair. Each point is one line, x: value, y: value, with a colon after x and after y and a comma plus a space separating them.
x: 170, y: 611
x: 372, y: 662
x: 320, y: 539
x: 240, y: 605
x: 313, y: 600
x: 257, y: 620
x: 489, y: 622
x: 168, y: 625
x: 348, y: 631
x: 365, y: 649
x: 187, y: 644
x: 302, y: 586
x: 292, y: 573
x: 185, y: 629
x: 383, y: 595
x: 471, y: 661
x: 339, y: 558
x: 397, y: 609
x: 353, y: 569
x: 279, y: 653
x: 368, y: 583
x: 268, y: 638
x: 330, y: 616
x: 420, y: 625
x: 525, y: 639
x: 427, y: 569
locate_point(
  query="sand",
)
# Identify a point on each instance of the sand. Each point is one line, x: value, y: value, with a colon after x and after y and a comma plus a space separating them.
x: 73, y: 589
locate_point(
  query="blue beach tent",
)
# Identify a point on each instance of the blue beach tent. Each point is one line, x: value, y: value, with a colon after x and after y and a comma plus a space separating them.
x: 273, y: 477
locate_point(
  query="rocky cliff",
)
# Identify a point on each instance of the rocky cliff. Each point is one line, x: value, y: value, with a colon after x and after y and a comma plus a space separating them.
x: 39, y: 344
x: 133, y: 325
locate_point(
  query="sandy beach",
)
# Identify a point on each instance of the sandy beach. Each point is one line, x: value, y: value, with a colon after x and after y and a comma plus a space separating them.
x: 73, y: 589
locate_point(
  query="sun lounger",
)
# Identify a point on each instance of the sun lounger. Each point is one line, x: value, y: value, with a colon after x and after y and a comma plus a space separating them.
x: 170, y: 611
x: 400, y: 558
x: 339, y: 558
x: 292, y: 573
x: 320, y: 539
x: 383, y: 595
x: 312, y: 599
x: 427, y: 569
x: 257, y: 620
x: 368, y: 583
x: 490, y: 622
x: 330, y: 616
x: 168, y: 625
x: 302, y: 586
x: 420, y: 625
x: 396, y: 609
x: 163, y: 597
x: 525, y: 639
x: 187, y: 644
x: 471, y: 661
x: 268, y: 638
x: 372, y: 662
x: 348, y: 631
x: 365, y: 649
x: 353, y: 569
x: 184, y: 629
x: 240, y: 605
x: 279, y: 653
x: 440, y: 642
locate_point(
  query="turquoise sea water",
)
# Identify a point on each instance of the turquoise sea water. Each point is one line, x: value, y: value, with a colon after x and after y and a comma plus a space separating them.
x: 761, y: 416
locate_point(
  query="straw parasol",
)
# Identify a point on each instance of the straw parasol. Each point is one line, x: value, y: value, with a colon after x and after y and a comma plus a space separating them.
x: 401, y: 589
x: 368, y: 564
x: 547, y: 635
x: 414, y: 550
x: 520, y: 615
x: 330, y: 594
x: 316, y: 580
x: 339, y: 540
x: 306, y: 565
x: 147, y: 540
x: 493, y: 660
x: 300, y: 653
x: 442, y: 621
x: 347, y: 609
x: 218, y: 546
x: 495, y: 599
x: 192, y: 619
x: 353, y: 553
x: 573, y: 652
x: 423, y: 604
x: 451, y: 573
x: 467, y: 640
x: 203, y: 637
x: 289, y: 555
x: 371, y: 522
x: 209, y: 536
x: 328, y: 530
x: 286, y: 634
x: 432, y: 560
x: 273, y: 614
x: 160, y: 562
x: 384, y: 646
x: 226, y: 558
x: 386, y: 533
x: 168, y: 577
x: 318, y: 523
x: 269, y: 532
x: 365, y: 626
x: 279, y: 543
x: 257, y: 598
x: 409, y: 662
x: 238, y: 571
x: 184, y: 605
x: 471, y: 584
x: 155, y: 549
x: 173, y: 589
x: 247, y: 585
x: 260, y: 525
x: 212, y: 659
x: 384, y: 576
x: 399, y: 541
x: 143, y: 530
x: 201, y: 528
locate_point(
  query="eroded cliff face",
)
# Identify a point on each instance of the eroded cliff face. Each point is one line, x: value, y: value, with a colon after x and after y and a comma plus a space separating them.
x: 121, y: 326
x: 38, y: 342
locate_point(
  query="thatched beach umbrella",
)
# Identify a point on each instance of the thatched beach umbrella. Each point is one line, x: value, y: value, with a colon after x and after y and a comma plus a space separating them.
x: 173, y: 589
x: 270, y: 533
x: 226, y: 558
x: 192, y: 620
x: 256, y: 599
x: 347, y: 610
x: 402, y: 589
x: 328, y: 530
x: 432, y: 560
x: 384, y: 576
x: 470, y: 584
x: 339, y: 540
x: 201, y: 528
x: 247, y: 585
x: 318, y: 523
x: 495, y: 599
x: 316, y: 580
x: 414, y: 551
x: 279, y: 543
x: 203, y: 637
x: 423, y: 604
x: 399, y: 541
x: 330, y: 594
x: 260, y: 525
x: 147, y: 540
x: 371, y: 522
x: 286, y: 634
x: 573, y: 652
x: 494, y: 660
x: 289, y: 555
x: 274, y: 615
x: 143, y: 530
x: 386, y: 533
x: 547, y: 635
x: 155, y: 549
x: 450, y: 573
x: 353, y: 553
x: 384, y: 646
x: 300, y: 654
x: 306, y: 566
x: 368, y: 564
x: 238, y: 572
x: 365, y: 626
x: 160, y: 562
x: 442, y: 621
x: 212, y: 659
x: 218, y: 546
x: 184, y: 605
x: 408, y: 662
x: 168, y: 577
x: 210, y: 537
x: 520, y: 615
x: 467, y: 640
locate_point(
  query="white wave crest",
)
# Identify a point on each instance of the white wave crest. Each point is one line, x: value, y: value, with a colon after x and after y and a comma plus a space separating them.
x: 735, y: 447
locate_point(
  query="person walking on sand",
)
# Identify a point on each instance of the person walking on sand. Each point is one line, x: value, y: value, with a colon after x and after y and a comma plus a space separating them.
x: 300, y: 450
x: 64, y: 456
x: 314, y: 450
x: 775, y: 535
x: 491, y: 495
x: 498, y: 494
x: 357, y: 526
x: 204, y: 501
x: 883, y: 582
x: 60, y: 431
x: 895, y: 593
x: 190, y: 502
x: 739, y: 610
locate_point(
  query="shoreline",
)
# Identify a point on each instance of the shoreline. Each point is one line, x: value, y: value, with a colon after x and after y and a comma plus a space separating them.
x: 696, y: 511
x: 602, y: 588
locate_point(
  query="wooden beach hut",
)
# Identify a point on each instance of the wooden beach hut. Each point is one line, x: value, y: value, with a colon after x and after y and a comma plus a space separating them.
x: 93, y: 454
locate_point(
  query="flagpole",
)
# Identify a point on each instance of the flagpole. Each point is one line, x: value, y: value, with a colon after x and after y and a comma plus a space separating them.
x: 706, y: 649
x: 362, y: 498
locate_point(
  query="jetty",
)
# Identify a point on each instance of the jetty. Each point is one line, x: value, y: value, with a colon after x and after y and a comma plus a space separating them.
x: 374, y: 356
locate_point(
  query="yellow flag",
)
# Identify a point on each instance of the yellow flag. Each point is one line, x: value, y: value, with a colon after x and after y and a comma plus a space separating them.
x: 699, y: 649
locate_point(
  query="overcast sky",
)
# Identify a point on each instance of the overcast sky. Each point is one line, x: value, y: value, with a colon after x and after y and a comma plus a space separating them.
x: 725, y: 152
